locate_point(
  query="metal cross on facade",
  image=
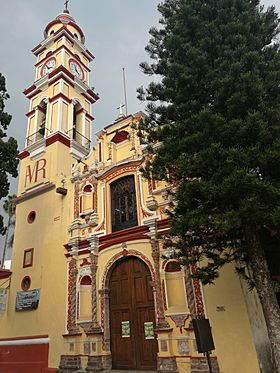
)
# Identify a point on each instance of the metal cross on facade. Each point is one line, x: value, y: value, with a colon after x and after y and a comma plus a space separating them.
x: 120, y: 108
x: 66, y: 4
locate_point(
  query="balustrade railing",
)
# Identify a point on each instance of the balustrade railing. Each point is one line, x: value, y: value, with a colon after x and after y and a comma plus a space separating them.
x: 73, y: 134
x: 79, y: 138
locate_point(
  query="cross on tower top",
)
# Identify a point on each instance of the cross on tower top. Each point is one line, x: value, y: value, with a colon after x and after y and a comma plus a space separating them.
x: 66, y: 4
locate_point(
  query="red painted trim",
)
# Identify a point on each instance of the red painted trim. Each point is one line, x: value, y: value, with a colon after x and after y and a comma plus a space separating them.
x: 57, y: 137
x: 90, y: 117
x: 60, y: 95
x: 92, y: 94
x: 24, y: 337
x: 89, y: 53
x: 40, y: 108
x: 80, y: 111
x: 32, y: 112
x: 67, y: 80
x: 117, y: 168
x: 61, y: 69
x: 64, y: 27
x: 37, y: 47
x: 163, y: 224
x: 23, y: 287
x: 71, y: 335
x: 24, y: 258
x: 23, y: 155
x: 29, y: 89
x: 52, y: 23
x: 119, y: 120
x: 96, y: 333
x: 77, y: 28
x: 201, y: 358
x: 100, y: 152
x: 57, y: 50
x: 88, y: 98
x: 165, y: 330
x: 5, y: 273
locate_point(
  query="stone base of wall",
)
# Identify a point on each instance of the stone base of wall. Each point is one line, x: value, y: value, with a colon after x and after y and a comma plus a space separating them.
x: 99, y: 364
x: 200, y: 365
x: 70, y: 364
x: 95, y: 364
x: 167, y: 365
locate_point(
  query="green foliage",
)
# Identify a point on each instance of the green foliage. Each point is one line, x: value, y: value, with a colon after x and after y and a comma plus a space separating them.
x: 8, y: 148
x: 215, y: 117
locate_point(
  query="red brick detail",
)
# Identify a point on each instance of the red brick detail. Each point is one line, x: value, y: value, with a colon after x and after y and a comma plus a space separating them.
x: 57, y: 137
x: 23, y: 155
x: 60, y: 95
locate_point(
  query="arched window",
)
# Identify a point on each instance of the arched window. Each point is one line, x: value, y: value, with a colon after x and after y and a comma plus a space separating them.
x: 123, y: 204
x: 42, y: 115
x: 77, y: 123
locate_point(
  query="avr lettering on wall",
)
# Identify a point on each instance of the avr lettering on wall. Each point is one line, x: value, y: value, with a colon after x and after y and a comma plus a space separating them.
x: 36, y: 172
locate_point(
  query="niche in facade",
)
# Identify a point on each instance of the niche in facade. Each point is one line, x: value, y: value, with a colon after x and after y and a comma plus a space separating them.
x: 85, y: 289
x: 175, y: 289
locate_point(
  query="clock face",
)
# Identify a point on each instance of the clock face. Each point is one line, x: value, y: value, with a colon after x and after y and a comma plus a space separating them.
x: 48, y: 67
x: 76, y: 69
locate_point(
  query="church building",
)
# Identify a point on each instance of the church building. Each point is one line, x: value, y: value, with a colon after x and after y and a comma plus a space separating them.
x: 90, y: 288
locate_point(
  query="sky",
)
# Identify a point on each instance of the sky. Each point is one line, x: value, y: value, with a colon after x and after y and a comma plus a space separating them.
x: 116, y: 32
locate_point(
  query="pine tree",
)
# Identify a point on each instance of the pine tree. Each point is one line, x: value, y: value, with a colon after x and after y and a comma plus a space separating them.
x: 214, y: 113
x: 8, y: 148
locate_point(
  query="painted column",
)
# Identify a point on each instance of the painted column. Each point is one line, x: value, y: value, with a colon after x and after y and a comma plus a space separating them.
x: 161, y: 322
x: 94, y: 246
x: 72, y: 291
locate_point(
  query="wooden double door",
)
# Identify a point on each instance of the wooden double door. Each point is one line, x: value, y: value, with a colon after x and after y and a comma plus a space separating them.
x: 132, y: 317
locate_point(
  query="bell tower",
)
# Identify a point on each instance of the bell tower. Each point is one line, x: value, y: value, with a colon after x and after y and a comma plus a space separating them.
x: 58, y: 135
x: 60, y: 98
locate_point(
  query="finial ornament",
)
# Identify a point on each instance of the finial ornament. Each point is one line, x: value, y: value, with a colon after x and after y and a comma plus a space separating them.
x: 66, y: 4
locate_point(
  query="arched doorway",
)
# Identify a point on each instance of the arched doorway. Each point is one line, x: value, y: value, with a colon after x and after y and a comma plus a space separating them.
x: 132, y: 316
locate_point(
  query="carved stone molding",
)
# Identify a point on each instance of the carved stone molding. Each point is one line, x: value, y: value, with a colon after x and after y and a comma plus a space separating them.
x: 72, y: 301
x: 161, y: 322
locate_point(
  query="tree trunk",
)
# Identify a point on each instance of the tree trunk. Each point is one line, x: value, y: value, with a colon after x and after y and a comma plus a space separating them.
x: 266, y: 292
x: 5, y: 243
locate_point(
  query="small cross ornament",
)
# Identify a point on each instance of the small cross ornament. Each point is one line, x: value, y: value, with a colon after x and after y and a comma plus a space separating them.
x: 66, y: 4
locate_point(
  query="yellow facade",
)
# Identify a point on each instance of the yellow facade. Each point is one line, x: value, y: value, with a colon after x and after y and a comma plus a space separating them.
x: 79, y: 236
